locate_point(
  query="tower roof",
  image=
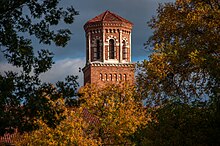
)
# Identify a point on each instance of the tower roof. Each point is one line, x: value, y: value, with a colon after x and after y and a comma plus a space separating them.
x: 108, y: 16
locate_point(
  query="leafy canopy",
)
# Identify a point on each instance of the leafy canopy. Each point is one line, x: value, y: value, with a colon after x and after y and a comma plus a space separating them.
x: 23, y: 97
x: 106, y: 116
x: 185, y: 63
x: 69, y: 132
x: 181, y: 82
x: 114, y: 112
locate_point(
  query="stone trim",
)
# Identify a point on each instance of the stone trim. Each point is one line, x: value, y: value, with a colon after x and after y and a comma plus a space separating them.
x: 114, y: 64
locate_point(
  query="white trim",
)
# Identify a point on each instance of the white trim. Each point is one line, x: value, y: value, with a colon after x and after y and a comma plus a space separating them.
x: 103, y: 46
x: 125, y: 61
x: 120, y: 49
x: 112, y: 37
x: 112, y: 61
x: 89, y: 47
x: 130, y: 48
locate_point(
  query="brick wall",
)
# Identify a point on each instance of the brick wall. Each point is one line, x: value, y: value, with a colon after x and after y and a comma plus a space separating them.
x: 105, y: 27
x: 101, y: 74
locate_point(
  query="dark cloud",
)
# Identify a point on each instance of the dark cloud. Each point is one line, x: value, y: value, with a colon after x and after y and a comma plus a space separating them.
x: 136, y: 11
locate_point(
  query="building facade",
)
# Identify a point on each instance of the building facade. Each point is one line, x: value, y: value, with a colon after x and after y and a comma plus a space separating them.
x: 108, y: 50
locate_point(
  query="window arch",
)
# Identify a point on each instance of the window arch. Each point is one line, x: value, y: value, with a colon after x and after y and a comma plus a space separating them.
x: 124, y: 50
x: 111, y: 49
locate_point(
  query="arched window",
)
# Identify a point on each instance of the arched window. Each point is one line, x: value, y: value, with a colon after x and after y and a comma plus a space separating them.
x: 110, y: 77
x: 116, y: 79
x: 101, y: 77
x: 97, y: 50
x: 106, y: 77
x: 111, y: 49
x: 124, y: 50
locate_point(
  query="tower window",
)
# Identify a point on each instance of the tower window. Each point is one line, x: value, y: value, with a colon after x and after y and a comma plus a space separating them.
x: 97, y: 50
x: 111, y: 49
x: 124, y: 50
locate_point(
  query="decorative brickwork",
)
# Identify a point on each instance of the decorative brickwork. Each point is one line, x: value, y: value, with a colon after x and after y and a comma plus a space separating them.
x: 108, y: 52
x: 102, y: 73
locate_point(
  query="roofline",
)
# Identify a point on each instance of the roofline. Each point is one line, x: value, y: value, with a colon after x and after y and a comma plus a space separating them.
x: 121, y: 19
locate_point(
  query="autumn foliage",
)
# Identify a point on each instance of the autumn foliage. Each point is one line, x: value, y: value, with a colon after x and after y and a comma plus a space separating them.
x: 184, y: 64
x: 106, y: 116
x: 69, y: 132
x: 181, y: 79
x: 179, y: 86
x: 118, y: 109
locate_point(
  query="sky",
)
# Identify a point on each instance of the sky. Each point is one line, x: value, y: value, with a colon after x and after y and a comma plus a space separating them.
x: 69, y: 59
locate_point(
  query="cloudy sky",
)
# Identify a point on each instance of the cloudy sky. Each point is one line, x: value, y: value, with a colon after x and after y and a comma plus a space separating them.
x: 69, y: 59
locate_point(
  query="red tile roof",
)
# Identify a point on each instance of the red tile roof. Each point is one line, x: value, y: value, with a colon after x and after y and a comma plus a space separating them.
x: 108, y: 16
x: 7, y: 138
x: 87, y: 116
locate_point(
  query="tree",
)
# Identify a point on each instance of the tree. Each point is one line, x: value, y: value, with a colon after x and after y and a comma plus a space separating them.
x: 180, y: 81
x: 185, y: 61
x: 115, y: 112
x: 23, y: 97
x: 178, y: 124
x: 69, y: 132
x: 107, y: 116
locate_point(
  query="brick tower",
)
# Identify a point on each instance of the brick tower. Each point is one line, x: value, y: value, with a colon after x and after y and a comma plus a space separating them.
x: 108, y: 50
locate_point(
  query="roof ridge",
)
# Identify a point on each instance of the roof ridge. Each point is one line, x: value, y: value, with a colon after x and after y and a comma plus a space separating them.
x: 120, y: 18
x: 108, y: 16
x: 105, y: 14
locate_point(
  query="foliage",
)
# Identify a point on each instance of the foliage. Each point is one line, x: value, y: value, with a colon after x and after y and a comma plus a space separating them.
x: 69, y: 132
x: 22, y: 108
x: 179, y: 124
x: 180, y: 81
x: 185, y: 62
x: 23, y: 97
x: 115, y: 112
x: 107, y: 116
